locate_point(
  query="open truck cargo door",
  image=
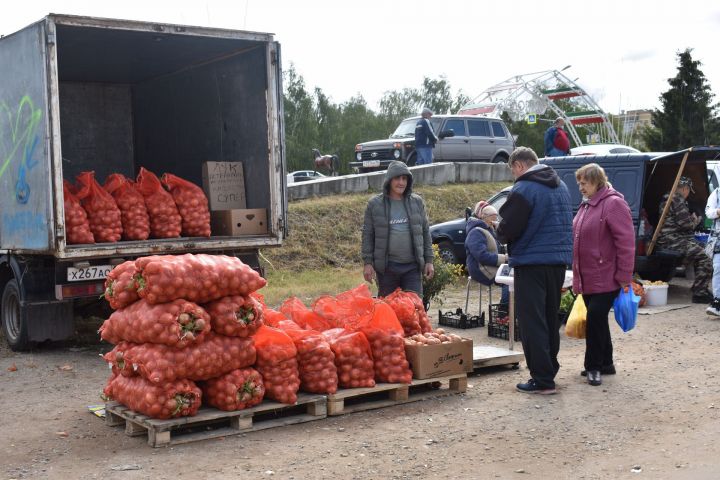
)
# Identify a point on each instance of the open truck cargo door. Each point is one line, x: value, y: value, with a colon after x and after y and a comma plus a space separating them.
x: 25, y: 175
x: 114, y: 96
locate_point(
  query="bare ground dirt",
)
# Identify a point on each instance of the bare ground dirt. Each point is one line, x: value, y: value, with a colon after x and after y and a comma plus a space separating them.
x: 659, y: 416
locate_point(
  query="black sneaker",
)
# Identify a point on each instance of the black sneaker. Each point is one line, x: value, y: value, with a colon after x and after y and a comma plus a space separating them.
x: 606, y: 370
x: 594, y: 378
x: 714, y: 308
x: 702, y: 298
x: 532, y: 387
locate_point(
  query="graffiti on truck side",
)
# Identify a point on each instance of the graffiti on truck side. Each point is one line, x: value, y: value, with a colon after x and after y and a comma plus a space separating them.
x: 18, y: 142
x: 28, y: 222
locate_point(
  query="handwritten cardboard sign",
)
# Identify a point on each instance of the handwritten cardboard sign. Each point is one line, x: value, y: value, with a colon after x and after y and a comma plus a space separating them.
x: 224, y: 185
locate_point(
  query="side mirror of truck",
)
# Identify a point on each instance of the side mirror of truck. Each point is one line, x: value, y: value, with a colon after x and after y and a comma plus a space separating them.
x: 446, y: 133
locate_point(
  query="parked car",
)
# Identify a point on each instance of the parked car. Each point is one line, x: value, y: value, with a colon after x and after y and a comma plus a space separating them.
x: 303, y: 176
x: 463, y: 138
x: 643, y: 178
x: 603, y: 149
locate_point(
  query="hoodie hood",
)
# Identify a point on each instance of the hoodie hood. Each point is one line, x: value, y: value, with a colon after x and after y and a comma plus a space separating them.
x: 473, y: 222
x: 542, y: 174
x: 395, y: 169
x: 604, y: 193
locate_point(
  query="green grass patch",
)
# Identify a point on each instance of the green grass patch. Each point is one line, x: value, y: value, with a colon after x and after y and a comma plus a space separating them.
x: 307, y: 285
x: 325, y: 232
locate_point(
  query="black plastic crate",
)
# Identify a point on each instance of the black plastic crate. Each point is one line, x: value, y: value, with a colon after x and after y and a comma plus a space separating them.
x: 460, y: 319
x: 496, y: 329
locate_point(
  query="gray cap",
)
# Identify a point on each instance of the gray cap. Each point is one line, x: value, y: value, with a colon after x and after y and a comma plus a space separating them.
x: 427, y: 110
x: 686, y: 182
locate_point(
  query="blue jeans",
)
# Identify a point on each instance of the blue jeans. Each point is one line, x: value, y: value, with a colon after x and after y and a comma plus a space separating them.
x: 404, y: 275
x: 505, y: 294
x: 555, y: 152
x: 716, y: 276
x: 424, y: 155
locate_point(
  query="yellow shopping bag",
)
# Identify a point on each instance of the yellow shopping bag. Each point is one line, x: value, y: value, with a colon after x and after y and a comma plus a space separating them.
x: 577, y: 320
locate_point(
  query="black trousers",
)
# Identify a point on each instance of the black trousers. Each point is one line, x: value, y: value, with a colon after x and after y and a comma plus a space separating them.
x: 598, y: 344
x: 537, y: 300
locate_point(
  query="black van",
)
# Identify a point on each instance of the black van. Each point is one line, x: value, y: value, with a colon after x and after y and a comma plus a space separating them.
x: 643, y: 178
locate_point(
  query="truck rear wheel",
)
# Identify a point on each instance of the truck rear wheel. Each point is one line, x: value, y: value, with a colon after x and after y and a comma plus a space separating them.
x: 14, y: 324
x: 500, y: 159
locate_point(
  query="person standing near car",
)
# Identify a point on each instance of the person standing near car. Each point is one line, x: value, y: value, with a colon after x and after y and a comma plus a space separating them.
x: 425, y: 138
x: 603, y: 262
x: 712, y: 211
x: 396, y: 243
x: 557, y: 143
x: 677, y: 234
x: 537, y: 226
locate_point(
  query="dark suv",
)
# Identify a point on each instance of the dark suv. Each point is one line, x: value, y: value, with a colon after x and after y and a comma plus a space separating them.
x: 463, y: 138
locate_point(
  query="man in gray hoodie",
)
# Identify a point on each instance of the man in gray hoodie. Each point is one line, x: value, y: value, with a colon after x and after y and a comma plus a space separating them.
x: 396, y: 243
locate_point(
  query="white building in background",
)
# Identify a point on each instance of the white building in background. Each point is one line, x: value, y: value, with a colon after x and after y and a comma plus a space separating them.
x: 629, y: 124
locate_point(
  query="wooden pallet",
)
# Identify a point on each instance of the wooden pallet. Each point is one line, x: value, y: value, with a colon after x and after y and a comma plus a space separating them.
x: 387, y: 394
x: 213, y: 423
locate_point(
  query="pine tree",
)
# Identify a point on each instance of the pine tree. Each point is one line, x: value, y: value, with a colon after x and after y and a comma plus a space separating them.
x: 688, y: 116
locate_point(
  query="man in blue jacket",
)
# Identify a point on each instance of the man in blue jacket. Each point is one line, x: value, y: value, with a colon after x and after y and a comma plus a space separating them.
x: 425, y: 138
x: 537, y: 225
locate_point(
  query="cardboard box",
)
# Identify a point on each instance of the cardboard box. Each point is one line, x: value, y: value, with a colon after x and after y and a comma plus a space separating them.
x: 239, y: 222
x: 224, y: 185
x: 431, y: 361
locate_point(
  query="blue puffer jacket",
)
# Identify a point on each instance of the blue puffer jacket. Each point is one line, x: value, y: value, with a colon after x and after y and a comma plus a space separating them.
x: 479, y: 252
x: 537, y: 220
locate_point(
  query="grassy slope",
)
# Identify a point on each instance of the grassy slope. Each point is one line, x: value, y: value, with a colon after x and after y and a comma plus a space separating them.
x: 322, y: 253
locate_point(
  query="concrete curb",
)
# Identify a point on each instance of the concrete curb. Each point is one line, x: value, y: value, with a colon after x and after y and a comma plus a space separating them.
x: 434, y: 174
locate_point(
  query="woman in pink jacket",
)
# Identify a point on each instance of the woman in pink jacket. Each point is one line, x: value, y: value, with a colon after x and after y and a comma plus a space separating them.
x: 603, y: 261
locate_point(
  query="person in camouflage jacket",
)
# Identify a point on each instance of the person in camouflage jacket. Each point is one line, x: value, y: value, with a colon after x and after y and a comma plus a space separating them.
x: 677, y: 234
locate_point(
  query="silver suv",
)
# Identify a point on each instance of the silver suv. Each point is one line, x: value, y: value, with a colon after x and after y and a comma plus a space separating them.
x: 463, y: 138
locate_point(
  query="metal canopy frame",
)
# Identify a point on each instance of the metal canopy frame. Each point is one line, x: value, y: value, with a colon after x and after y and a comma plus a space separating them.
x: 538, y: 92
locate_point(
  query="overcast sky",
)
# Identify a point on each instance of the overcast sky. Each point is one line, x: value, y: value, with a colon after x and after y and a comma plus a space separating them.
x: 621, y: 52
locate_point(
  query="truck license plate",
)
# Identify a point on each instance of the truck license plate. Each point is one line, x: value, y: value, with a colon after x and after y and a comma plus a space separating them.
x: 371, y: 163
x: 96, y: 272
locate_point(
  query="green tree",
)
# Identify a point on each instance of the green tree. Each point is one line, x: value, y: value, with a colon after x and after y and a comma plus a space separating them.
x: 312, y: 120
x: 687, y: 116
x: 301, y: 124
x: 396, y: 106
x: 527, y: 135
x: 328, y: 117
x: 438, y: 97
x: 358, y: 123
